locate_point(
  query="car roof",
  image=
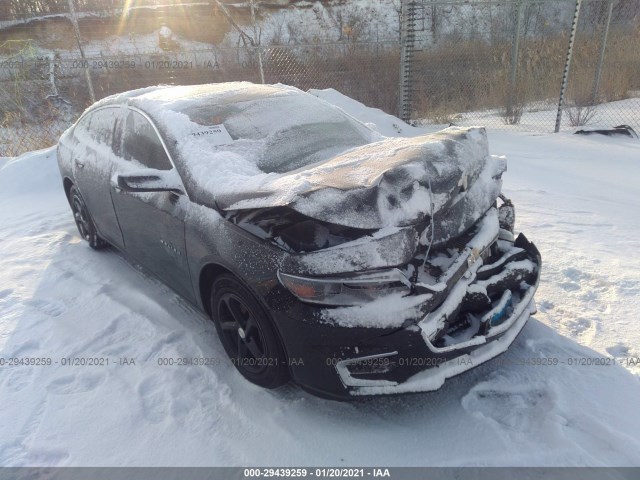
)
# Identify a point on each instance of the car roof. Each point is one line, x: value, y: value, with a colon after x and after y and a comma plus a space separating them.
x: 180, y: 98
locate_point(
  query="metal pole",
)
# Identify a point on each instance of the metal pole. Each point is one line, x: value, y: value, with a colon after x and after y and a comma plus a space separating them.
x: 76, y: 31
x: 407, y: 38
x: 402, y: 76
x: 514, y: 55
x: 567, y: 65
x: 257, y: 40
x: 52, y: 76
x: 603, y: 47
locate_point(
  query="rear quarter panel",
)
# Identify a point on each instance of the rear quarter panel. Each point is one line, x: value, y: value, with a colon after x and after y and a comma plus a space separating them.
x: 63, y: 151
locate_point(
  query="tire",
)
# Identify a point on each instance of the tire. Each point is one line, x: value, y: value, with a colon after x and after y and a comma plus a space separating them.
x: 84, y: 222
x: 247, y: 334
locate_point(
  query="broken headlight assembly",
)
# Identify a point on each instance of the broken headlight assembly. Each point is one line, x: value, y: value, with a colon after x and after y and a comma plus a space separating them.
x: 507, y: 214
x: 345, y: 291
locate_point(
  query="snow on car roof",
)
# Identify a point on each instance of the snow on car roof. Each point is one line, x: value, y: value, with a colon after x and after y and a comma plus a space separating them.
x: 179, y: 97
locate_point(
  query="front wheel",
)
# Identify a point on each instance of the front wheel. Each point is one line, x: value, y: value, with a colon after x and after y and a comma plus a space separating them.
x: 86, y: 227
x: 247, y: 334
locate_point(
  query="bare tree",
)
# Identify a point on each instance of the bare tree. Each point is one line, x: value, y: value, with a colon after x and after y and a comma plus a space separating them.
x: 248, y: 40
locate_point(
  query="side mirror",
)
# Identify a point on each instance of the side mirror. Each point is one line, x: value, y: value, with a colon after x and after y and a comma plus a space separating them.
x: 150, y: 182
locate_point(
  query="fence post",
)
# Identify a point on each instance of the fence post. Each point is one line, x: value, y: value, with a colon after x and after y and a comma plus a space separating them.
x: 603, y: 47
x: 405, y: 83
x: 51, y: 67
x: 257, y: 40
x: 515, y: 48
x: 76, y: 31
x: 401, y: 78
x: 567, y: 64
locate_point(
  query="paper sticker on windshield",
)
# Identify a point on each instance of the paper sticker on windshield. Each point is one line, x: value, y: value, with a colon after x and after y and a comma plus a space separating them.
x: 216, y: 134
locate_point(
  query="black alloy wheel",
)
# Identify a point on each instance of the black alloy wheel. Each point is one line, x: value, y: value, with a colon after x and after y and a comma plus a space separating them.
x: 246, y: 333
x: 83, y: 220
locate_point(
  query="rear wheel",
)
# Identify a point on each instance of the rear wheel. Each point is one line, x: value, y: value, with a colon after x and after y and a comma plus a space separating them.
x: 86, y: 227
x: 247, y: 334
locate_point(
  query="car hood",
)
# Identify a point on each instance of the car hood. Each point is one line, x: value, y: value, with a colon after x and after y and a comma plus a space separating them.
x: 448, y: 176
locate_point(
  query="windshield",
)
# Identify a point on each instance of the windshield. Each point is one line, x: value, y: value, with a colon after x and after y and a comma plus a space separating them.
x: 290, y: 131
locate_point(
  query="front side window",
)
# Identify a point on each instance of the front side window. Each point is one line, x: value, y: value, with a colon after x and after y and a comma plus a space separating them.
x: 142, y: 144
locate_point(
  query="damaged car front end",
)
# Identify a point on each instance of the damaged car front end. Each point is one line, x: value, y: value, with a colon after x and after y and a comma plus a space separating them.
x: 323, y: 252
x: 401, y: 281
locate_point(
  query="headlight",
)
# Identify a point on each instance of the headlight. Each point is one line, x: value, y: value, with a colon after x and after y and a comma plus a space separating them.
x: 348, y: 290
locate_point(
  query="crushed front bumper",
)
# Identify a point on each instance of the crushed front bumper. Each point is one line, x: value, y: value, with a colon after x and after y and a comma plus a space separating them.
x: 440, y: 363
x: 484, y: 298
x: 468, y: 313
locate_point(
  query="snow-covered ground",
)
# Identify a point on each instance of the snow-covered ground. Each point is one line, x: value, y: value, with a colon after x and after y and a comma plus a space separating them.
x: 541, y: 116
x: 577, y: 198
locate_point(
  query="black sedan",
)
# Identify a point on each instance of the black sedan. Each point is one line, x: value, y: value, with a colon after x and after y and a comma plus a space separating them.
x: 352, y: 263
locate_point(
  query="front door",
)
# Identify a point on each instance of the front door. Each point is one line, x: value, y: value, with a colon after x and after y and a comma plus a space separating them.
x: 152, y: 223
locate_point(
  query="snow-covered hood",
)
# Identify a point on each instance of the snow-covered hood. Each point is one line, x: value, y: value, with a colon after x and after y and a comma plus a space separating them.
x: 393, y: 182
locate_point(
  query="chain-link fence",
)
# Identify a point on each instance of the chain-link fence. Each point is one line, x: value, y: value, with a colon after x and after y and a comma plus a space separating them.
x: 502, y: 64
x: 497, y: 63
x: 604, y: 80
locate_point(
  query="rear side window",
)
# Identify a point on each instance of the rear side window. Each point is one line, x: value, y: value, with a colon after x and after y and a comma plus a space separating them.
x: 84, y: 125
x: 98, y: 126
x: 141, y: 143
x: 103, y: 123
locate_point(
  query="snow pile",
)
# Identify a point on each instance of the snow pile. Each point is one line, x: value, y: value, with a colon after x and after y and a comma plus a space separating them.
x: 374, y: 118
x: 32, y: 172
x: 165, y: 33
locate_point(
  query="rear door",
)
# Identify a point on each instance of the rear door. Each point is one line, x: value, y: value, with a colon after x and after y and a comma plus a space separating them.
x: 93, y: 159
x: 152, y: 223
